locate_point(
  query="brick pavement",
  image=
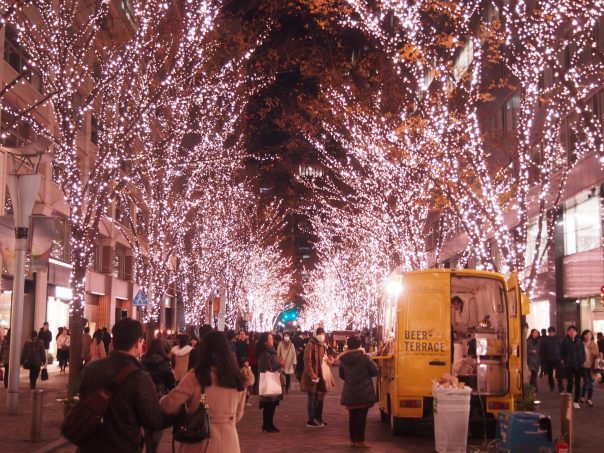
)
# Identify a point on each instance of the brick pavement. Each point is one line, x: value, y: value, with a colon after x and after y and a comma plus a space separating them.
x: 15, y: 429
x: 291, y: 418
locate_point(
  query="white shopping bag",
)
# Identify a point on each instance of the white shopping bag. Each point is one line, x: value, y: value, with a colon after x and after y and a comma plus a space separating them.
x: 270, y: 384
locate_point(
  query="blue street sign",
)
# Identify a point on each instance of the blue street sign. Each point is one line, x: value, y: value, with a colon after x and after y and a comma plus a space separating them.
x: 140, y: 300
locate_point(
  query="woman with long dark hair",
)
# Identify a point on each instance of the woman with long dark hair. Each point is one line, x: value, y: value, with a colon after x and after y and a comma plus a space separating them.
x: 268, y: 362
x: 156, y: 362
x: 591, y: 354
x: 533, y: 355
x: 97, y: 347
x: 218, y: 378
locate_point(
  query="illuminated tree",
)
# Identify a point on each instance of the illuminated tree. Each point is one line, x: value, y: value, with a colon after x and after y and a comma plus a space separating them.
x: 113, y: 77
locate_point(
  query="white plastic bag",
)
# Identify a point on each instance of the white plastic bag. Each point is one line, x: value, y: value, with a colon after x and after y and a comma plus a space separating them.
x: 270, y: 384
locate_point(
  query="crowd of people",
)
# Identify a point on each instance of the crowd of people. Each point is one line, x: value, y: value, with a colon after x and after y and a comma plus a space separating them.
x: 222, y: 370
x: 573, y: 358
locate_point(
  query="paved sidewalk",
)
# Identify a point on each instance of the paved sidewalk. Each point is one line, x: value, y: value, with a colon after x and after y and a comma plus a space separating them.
x: 290, y: 418
x: 15, y: 429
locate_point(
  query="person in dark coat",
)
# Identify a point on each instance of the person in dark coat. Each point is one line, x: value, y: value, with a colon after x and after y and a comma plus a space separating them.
x: 600, y: 343
x: 106, y: 339
x: 550, y: 355
x: 46, y: 336
x: 572, y: 353
x: 195, y: 352
x: 5, y: 355
x: 242, y: 347
x: 533, y: 356
x: 134, y: 404
x: 268, y: 362
x: 156, y: 362
x: 358, y: 395
x: 542, y: 371
x: 33, y: 356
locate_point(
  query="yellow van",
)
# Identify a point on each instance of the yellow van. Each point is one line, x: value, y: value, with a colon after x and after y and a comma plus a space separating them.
x: 463, y: 322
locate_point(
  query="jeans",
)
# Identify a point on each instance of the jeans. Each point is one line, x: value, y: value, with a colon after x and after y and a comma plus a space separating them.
x: 311, y: 405
x: 573, y: 375
x: 357, y: 420
x: 551, y: 366
x: 34, y: 372
x: 533, y: 381
x: 6, y: 375
x: 588, y: 384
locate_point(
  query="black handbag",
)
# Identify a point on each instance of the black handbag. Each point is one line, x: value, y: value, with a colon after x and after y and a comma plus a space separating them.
x: 44, y: 374
x: 192, y: 427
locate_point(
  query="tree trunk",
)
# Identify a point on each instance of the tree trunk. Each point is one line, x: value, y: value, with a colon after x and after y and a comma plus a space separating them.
x: 76, y: 327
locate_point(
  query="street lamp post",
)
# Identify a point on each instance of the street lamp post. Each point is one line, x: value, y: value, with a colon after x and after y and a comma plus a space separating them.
x: 23, y: 185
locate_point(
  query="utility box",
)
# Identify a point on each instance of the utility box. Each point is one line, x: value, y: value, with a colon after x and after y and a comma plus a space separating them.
x: 524, y: 432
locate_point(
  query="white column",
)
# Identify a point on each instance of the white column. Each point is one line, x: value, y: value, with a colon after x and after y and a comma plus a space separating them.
x: 40, y: 305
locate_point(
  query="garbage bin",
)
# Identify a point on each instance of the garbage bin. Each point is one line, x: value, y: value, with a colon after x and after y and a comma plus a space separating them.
x: 451, y: 418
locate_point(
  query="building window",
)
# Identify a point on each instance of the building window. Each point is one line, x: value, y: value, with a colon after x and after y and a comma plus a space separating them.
x: 61, y: 245
x: 313, y: 171
x: 128, y: 11
x: 463, y: 60
x: 15, y: 132
x: 119, y: 261
x: 117, y: 216
x: 582, y: 228
x: 94, y: 129
x: 511, y: 107
x: 16, y: 56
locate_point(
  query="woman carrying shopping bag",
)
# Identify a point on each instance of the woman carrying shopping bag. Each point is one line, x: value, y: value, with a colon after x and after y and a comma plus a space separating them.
x: 270, y: 389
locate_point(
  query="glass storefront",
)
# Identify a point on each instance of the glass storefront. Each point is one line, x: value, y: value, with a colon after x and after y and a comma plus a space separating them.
x: 57, y: 315
x: 539, y: 317
x: 5, y: 304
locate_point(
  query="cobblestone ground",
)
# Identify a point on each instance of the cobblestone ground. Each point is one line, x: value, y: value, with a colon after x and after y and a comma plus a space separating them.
x: 15, y: 429
x: 290, y: 418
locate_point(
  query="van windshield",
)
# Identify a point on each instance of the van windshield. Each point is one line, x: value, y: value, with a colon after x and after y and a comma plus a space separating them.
x: 479, y: 327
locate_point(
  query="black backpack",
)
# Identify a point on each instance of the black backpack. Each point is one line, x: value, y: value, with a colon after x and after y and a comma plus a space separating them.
x: 82, y: 422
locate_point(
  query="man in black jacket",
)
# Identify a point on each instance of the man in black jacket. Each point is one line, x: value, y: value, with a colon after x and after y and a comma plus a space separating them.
x: 134, y: 403
x: 572, y: 352
x: 46, y: 336
x: 550, y: 355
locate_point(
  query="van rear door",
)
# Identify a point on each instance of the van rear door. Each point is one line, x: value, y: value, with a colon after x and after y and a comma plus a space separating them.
x: 424, y: 346
x: 515, y: 352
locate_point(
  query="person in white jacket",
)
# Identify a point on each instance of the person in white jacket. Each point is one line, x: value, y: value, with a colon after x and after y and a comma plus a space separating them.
x: 286, y: 351
x: 180, y: 354
x: 63, y: 348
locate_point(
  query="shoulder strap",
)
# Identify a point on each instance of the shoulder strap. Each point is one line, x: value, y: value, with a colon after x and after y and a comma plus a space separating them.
x: 123, y: 374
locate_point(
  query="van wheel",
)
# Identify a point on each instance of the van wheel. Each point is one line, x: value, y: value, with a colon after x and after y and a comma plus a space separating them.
x: 396, y: 425
x: 384, y: 416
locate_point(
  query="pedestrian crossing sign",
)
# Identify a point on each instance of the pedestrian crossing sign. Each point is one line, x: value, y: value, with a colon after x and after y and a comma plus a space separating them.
x: 140, y: 300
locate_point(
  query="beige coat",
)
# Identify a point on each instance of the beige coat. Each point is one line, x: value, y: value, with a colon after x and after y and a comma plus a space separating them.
x: 97, y: 350
x: 225, y: 406
x: 287, y: 352
x: 181, y: 361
